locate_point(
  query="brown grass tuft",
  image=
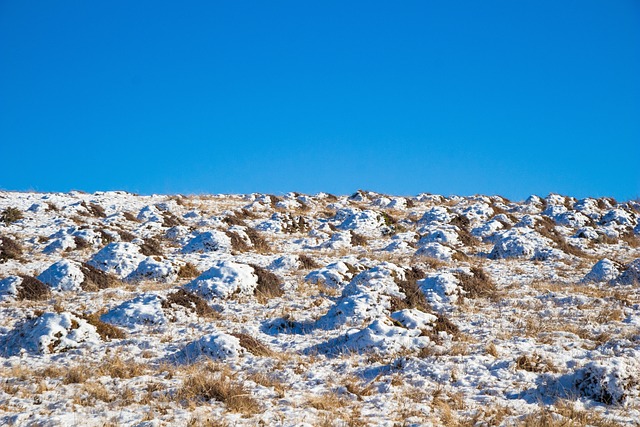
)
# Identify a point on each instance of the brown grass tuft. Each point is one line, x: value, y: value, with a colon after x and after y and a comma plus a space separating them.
x: 33, y: 289
x: 9, y: 249
x: 95, y: 279
x: 307, y: 263
x: 478, y: 284
x: 191, y: 301
x: 188, y: 271
x: 252, y: 345
x: 268, y: 284
x: 10, y: 215
x: 106, y: 331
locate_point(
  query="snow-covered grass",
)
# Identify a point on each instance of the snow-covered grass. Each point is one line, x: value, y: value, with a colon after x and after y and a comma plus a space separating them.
x: 118, y: 309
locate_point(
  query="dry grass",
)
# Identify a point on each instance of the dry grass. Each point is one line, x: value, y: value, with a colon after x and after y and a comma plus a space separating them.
x: 188, y: 271
x: 9, y: 249
x: 10, y: 215
x: 268, y: 284
x: 95, y: 279
x: 190, y: 301
x: 252, y: 345
x: 106, y: 331
x: 478, y: 284
x: 220, y: 386
x: 33, y: 289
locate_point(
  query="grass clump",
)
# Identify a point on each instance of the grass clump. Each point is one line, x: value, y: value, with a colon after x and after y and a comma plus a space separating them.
x: 252, y: 345
x: 95, y: 279
x: 10, y: 215
x: 414, y: 298
x: 268, y: 284
x: 206, y: 386
x: 9, y: 249
x: 188, y: 271
x: 307, y: 263
x: 32, y: 289
x: 190, y: 301
x: 478, y: 284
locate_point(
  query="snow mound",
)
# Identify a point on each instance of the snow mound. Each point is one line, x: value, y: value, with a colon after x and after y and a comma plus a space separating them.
x: 380, y: 337
x: 150, y: 269
x: 288, y: 262
x: 362, y: 221
x: 145, y: 309
x: 224, y: 279
x: 441, y: 289
x: 603, y: 271
x: 120, y: 259
x: 333, y: 275
x: 50, y: 333
x: 412, y: 318
x: 610, y: 381
x: 64, y: 275
x: 217, y: 346
x: 436, y: 215
x: 209, y: 241
x: 365, y: 298
x: 522, y: 242
x: 338, y: 240
x: 9, y: 288
x: 436, y: 250
x: 631, y: 276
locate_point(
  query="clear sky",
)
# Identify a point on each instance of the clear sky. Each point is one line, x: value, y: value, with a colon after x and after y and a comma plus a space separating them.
x: 448, y: 97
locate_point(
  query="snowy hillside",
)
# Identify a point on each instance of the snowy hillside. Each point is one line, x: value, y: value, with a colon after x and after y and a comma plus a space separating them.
x: 118, y: 309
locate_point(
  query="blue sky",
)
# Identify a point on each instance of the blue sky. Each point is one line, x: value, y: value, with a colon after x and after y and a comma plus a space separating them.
x: 448, y: 97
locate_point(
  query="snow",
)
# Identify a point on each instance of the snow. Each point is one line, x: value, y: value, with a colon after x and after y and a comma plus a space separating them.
x: 50, y: 333
x: 64, y: 275
x: 224, y: 279
x: 559, y: 329
x: 120, y: 259
x: 145, y: 309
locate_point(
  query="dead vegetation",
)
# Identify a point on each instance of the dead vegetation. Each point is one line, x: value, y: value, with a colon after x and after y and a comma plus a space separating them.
x: 252, y: 345
x: 478, y: 284
x: 32, y: 289
x: 190, y: 301
x: 269, y: 285
x: 188, y: 271
x: 219, y: 385
x: 95, y: 280
x: 414, y: 298
x: 11, y: 215
x: 9, y: 249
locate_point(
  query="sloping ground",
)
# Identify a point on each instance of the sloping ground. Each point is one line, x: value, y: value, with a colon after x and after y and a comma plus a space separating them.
x: 118, y: 309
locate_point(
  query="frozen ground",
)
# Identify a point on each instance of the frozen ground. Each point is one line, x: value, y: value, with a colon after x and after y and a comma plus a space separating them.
x: 118, y: 309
